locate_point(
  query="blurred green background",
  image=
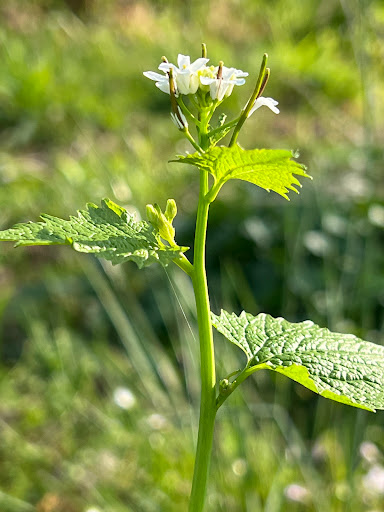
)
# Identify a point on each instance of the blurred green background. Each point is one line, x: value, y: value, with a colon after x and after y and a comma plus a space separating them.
x: 98, y: 373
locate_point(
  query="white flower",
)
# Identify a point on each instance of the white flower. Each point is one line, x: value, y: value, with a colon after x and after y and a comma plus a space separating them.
x: 369, y: 452
x: 162, y: 81
x: 157, y: 421
x: 297, y: 493
x: 179, y: 119
x: 186, y: 74
x: 376, y: 215
x: 239, y: 467
x: 124, y: 398
x: 373, y: 481
x: 268, y: 102
x: 223, y: 86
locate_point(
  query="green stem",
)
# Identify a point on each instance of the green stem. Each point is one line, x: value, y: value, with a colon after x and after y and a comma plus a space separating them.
x: 186, y: 110
x: 187, y: 133
x: 207, y: 357
x: 230, y: 124
x: 260, y: 84
x: 185, y: 265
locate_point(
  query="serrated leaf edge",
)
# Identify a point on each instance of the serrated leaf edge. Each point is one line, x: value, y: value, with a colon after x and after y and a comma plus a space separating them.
x: 286, y: 370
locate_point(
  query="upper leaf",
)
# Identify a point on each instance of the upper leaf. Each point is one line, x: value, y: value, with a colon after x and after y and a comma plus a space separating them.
x: 338, y: 366
x: 271, y: 169
x: 108, y: 231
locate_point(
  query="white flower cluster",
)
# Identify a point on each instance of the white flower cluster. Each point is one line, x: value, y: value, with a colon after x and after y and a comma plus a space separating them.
x: 218, y: 80
x: 189, y: 78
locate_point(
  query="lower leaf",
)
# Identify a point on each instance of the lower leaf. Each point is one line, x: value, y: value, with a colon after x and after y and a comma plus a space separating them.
x: 338, y: 366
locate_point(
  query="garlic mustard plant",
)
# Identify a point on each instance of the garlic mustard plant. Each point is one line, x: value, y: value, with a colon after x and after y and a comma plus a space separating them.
x: 337, y: 366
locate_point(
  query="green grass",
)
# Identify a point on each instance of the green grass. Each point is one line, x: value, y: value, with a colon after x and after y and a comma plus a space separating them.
x: 79, y: 122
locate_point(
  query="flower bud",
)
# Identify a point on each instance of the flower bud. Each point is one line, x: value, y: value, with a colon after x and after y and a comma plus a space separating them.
x: 170, y: 210
x: 167, y: 231
x: 152, y: 215
x: 163, y: 222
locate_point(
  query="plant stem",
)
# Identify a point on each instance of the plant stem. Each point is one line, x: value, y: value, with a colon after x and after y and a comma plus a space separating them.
x: 185, y: 265
x: 187, y: 133
x: 230, y: 124
x: 260, y: 84
x: 207, y: 357
x: 186, y: 110
x: 231, y: 388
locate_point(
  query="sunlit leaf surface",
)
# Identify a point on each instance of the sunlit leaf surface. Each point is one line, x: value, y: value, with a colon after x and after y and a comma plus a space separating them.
x: 338, y: 366
x: 271, y: 169
x: 108, y: 231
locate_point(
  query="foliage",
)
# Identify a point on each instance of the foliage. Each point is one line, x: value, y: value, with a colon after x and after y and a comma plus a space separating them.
x: 65, y: 129
x: 337, y: 366
x: 107, y: 231
x: 270, y: 169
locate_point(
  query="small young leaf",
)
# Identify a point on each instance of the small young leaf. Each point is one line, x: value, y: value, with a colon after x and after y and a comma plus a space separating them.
x: 338, y: 366
x: 271, y: 169
x: 219, y: 134
x: 108, y: 231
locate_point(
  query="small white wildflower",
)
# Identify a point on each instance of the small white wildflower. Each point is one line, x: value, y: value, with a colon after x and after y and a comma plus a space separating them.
x: 157, y: 421
x: 162, y: 81
x: 186, y: 74
x: 220, y: 87
x: 297, y: 493
x: 369, y: 452
x: 239, y: 467
x: 376, y: 215
x: 353, y: 186
x: 373, y: 481
x: 107, y: 462
x: 92, y: 509
x: 258, y: 231
x: 317, y: 243
x: 179, y: 119
x: 267, y: 102
x: 124, y: 398
x: 334, y: 224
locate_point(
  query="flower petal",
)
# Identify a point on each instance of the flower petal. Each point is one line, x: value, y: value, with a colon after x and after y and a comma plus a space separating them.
x: 198, y: 64
x: 154, y: 76
x: 241, y: 74
x: 166, y: 66
x: 268, y: 102
x: 183, y: 83
x: 233, y: 73
x: 183, y: 61
x: 205, y: 80
x: 238, y: 81
x: 163, y: 86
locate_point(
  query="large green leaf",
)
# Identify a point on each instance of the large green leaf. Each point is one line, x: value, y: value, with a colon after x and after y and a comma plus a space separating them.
x: 108, y: 231
x: 338, y: 366
x: 271, y: 169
